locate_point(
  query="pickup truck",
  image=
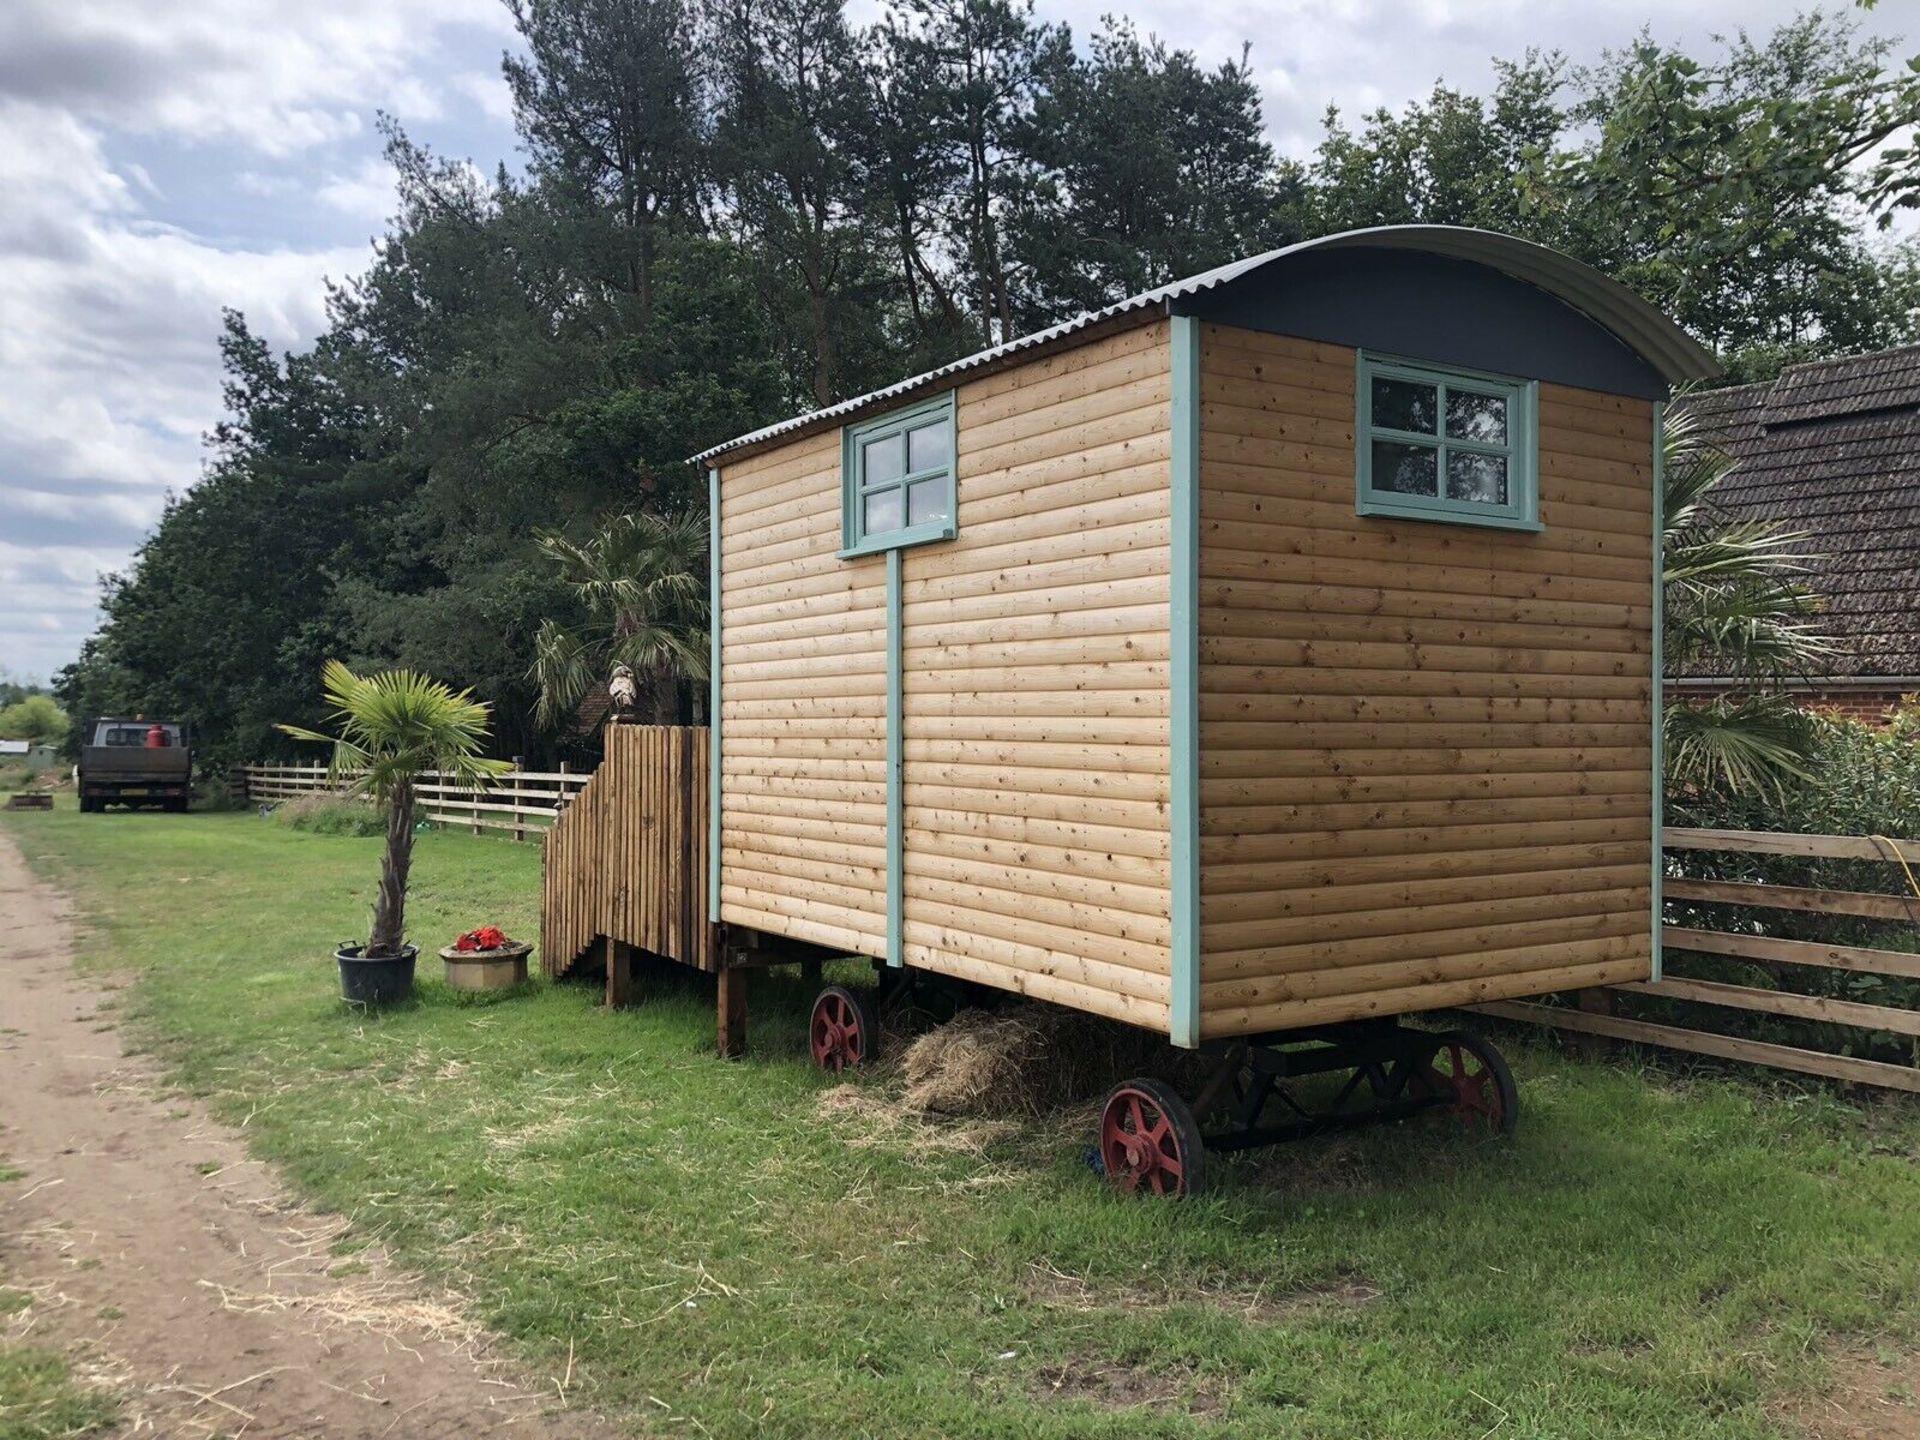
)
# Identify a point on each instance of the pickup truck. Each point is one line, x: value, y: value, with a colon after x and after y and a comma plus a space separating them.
x: 135, y: 762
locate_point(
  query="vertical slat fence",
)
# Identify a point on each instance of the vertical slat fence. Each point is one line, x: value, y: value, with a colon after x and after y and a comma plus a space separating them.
x: 626, y: 861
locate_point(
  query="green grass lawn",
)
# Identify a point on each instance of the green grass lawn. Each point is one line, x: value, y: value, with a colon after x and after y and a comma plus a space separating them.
x: 724, y: 1254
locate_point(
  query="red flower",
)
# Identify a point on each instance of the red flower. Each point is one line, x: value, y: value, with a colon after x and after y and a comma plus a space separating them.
x: 487, y: 937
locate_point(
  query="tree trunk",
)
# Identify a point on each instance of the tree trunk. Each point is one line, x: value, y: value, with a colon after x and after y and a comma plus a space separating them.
x: 390, y: 906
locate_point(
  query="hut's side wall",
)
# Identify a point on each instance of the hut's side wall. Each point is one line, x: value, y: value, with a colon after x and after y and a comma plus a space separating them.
x: 1036, y: 700
x: 1425, y: 748
x: 803, y: 747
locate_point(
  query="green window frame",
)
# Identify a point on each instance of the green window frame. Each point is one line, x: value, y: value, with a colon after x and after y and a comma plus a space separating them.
x: 893, y: 467
x: 1438, y: 443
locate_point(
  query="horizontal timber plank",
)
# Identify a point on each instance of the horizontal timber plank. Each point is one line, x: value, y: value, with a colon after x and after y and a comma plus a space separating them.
x: 1861, y: 958
x: 1793, y: 897
x: 1723, y: 1047
x: 1767, y: 842
x: 1780, y: 1002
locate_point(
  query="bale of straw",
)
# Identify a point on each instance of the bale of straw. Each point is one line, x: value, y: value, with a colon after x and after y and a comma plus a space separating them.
x: 1027, y: 1059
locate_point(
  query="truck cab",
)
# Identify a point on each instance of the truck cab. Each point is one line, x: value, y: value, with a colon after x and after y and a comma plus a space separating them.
x: 137, y: 762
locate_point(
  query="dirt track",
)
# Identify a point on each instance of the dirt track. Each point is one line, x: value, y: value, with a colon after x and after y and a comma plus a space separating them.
x: 181, y: 1272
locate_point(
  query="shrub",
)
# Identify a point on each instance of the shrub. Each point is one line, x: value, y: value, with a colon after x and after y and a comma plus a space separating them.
x: 1865, y: 780
x: 331, y: 815
x: 14, y: 777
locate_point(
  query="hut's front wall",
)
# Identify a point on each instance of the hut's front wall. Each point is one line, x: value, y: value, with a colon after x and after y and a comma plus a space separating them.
x: 1034, y: 722
x: 1425, y: 748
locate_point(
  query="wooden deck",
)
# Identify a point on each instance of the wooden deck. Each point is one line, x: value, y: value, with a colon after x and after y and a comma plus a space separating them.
x: 625, y: 864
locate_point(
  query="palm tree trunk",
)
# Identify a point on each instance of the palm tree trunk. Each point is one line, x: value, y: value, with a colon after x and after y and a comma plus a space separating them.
x: 390, y: 906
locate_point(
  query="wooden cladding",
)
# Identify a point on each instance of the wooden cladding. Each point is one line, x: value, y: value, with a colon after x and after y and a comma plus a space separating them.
x: 1424, y: 748
x: 627, y: 860
x: 1033, y: 724
x: 802, y: 706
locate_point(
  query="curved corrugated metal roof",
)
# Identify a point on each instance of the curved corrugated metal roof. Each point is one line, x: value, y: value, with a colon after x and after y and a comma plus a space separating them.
x: 1673, y: 353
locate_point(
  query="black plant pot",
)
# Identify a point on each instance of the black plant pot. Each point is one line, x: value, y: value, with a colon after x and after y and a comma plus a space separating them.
x: 368, y: 981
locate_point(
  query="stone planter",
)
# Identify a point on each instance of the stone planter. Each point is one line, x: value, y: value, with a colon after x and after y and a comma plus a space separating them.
x: 486, y: 969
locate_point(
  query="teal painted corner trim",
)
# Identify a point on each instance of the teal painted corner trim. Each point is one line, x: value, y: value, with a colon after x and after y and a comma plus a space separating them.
x: 1184, y: 679
x: 713, y: 696
x: 896, y: 749
x: 1659, y: 679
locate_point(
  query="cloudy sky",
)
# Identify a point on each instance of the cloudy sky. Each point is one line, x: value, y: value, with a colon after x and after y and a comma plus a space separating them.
x: 159, y: 162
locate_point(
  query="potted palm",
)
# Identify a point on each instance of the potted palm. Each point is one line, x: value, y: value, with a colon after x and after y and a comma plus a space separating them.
x: 392, y: 727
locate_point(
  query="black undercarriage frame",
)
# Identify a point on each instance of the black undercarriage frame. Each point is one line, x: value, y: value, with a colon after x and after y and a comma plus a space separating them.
x: 1249, y: 1101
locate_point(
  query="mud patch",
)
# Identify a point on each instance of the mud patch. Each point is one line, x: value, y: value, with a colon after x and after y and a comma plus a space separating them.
x: 1871, y: 1398
x: 1107, y: 1385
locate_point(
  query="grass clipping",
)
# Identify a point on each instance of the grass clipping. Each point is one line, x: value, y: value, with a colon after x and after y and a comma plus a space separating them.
x: 1028, y: 1059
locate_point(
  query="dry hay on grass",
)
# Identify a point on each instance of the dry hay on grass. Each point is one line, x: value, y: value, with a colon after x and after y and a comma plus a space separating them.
x: 1030, y: 1058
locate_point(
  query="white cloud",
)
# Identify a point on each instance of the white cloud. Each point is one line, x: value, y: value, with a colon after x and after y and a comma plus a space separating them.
x: 366, y: 190
x: 275, y: 78
x: 109, y: 362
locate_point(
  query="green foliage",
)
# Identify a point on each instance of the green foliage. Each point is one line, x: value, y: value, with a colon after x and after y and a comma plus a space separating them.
x: 639, y: 583
x: 330, y: 815
x: 732, y: 211
x: 37, y: 718
x: 1860, y: 780
x: 1736, y: 611
x: 15, y: 777
x: 389, y: 729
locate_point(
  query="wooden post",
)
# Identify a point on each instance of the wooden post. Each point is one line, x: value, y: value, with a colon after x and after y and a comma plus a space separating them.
x: 619, y: 974
x: 732, y: 1011
x: 1595, y: 1000
x: 519, y: 827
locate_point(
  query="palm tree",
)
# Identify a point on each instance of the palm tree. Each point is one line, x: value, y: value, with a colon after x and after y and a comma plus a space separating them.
x: 641, y: 583
x: 392, y: 727
x: 1736, y: 608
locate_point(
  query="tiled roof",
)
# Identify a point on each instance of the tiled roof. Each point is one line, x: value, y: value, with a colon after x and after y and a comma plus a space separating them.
x: 1833, y: 448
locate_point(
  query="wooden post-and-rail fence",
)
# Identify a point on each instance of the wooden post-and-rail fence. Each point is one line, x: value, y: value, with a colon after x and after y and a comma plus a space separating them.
x: 1900, y: 905
x: 520, y: 801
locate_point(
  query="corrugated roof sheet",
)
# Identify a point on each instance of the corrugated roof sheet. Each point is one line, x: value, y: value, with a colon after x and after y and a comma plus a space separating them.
x: 1833, y: 448
x: 1643, y: 329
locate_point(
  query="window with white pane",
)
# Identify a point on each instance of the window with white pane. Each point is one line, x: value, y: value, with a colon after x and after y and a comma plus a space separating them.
x: 1451, y: 445
x: 897, y: 479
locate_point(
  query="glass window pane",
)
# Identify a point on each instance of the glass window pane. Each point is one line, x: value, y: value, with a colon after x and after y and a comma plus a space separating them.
x: 1406, y: 469
x: 1405, y: 405
x: 1472, y: 415
x: 1480, y: 478
x: 881, y: 512
x: 927, y: 447
x: 926, y: 501
x: 884, y: 459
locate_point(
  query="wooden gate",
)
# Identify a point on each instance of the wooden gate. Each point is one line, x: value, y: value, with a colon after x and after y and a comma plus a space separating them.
x: 627, y: 860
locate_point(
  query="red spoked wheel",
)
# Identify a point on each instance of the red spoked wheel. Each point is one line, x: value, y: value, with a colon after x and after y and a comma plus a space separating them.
x: 1475, y: 1076
x: 1149, y: 1141
x: 844, y: 1031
